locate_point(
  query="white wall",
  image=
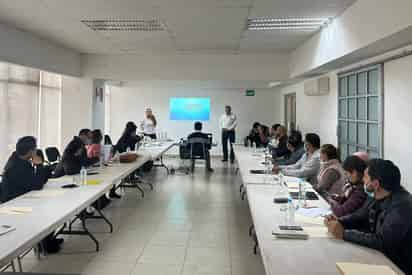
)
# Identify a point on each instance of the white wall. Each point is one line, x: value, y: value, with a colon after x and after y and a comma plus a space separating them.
x: 215, y: 67
x: 23, y: 48
x: 398, y: 113
x: 76, y: 107
x: 361, y: 25
x: 319, y: 114
x: 129, y: 103
x: 315, y: 114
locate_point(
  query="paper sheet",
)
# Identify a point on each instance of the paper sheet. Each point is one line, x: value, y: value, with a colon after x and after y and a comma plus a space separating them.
x: 364, y: 269
x: 317, y: 231
x: 48, y: 193
x: 314, y: 212
x: 15, y: 210
x: 307, y: 220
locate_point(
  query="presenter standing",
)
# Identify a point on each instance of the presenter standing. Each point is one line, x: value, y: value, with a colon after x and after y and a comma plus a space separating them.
x: 148, y: 125
x: 228, y: 123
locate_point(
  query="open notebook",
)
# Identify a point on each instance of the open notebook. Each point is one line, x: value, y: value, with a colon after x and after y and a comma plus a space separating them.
x: 364, y: 269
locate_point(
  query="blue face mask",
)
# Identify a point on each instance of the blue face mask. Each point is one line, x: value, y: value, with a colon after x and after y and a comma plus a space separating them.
x: 369, y: 193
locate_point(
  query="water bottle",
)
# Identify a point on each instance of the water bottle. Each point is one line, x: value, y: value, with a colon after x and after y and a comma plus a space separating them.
x: 290, y: 213
x: 254, y: 148
x: 83, y: 175
x: 281, y: 179
x: 302, y: 193
x: 101, y: 157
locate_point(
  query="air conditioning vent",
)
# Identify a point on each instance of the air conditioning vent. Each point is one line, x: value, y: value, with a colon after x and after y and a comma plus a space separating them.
x: 317, y: 87
x: 139, y: 25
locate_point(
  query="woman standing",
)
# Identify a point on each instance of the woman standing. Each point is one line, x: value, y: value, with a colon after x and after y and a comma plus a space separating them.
x: 148, y: 125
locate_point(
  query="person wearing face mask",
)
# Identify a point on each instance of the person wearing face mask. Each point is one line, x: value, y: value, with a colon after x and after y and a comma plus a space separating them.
x: 128, y: 139
x: 308, y: 165
x: 331, y: 177
x: 385, y: 221
x: 353, y: 196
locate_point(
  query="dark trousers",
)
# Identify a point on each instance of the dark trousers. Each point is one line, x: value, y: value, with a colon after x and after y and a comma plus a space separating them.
x: 228, y: 137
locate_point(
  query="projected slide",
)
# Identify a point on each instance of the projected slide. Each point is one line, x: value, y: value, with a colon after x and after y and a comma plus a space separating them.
x: 185, y: 108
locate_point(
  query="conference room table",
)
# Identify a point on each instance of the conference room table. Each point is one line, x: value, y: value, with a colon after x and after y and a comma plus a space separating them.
x: 38, y: 213
x: 316, y: 255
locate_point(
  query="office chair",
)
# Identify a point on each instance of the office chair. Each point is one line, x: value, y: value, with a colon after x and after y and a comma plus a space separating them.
x: 198, y: 149
x: 53, y: 155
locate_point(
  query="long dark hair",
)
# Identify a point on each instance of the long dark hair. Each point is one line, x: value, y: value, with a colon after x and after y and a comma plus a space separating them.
x: 130, y: 128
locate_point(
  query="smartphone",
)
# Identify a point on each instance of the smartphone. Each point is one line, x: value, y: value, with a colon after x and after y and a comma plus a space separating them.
x: 72, y: 185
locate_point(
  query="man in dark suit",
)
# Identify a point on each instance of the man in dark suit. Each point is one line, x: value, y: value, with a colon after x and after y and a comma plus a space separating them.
x: 24, y: 170
x: 197, y: 149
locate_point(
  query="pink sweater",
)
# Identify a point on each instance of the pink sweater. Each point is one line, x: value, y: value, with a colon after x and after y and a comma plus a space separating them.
x: 93, y: 150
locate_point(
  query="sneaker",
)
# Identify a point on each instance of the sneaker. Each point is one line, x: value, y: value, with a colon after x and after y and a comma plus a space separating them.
x: 224, y: 160
x: 210, y: 170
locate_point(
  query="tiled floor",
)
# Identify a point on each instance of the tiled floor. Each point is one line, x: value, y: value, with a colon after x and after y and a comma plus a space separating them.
x: 190, y: 225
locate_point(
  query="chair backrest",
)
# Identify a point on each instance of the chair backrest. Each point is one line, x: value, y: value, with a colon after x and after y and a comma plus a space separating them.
x: 198, y: 147
x: 53, y: 154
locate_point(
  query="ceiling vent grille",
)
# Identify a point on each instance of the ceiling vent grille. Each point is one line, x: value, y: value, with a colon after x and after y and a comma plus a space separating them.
x: 138, y: 25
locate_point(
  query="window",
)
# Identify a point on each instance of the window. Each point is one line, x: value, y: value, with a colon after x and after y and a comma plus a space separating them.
x: 359, y: 112
x: 29, y: 105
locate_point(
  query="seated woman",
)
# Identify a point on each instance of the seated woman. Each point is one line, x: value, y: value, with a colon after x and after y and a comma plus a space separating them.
x: 331, y: 177
x: 94, y: 149
x: 308, y: 165
x: 253, y: 137
x: 128, y: 139
x: 74, y: 157
x: 353, y: 196
x: 273, y: 133
x: 281, y: 149
x: 296, y: 150
x: 263, y: 135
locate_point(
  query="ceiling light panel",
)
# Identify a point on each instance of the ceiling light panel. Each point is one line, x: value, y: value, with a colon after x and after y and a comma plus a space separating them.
x: 125, y: 25
x: 310, y: 24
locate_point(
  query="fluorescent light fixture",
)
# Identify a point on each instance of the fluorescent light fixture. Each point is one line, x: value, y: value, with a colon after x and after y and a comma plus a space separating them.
x: 308, y: 24
x: 274, y: 84
x: 124, y: 25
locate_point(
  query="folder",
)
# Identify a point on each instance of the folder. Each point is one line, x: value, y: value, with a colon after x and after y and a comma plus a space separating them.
x: 364, y: 269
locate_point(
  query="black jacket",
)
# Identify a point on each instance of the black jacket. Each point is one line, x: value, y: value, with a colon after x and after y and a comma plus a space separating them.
x: 282, y: 149
x: 384, y: 225
x: 71, y: 164
x: 198, y: 150
x: 20, y: 177
x: 127, y: 142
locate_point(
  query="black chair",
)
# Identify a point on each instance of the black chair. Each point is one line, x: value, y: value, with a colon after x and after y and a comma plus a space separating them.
x: 198, y: 148
x: 53, y: 155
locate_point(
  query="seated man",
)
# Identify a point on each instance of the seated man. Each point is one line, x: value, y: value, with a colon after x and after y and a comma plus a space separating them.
x: 309, y: 164
x: 24, y: 170
x: 198, y: 134
x: 385, y: 221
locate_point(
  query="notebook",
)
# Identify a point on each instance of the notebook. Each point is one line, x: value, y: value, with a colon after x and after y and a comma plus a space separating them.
x: 290, y: 234
x: 364, y: 269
